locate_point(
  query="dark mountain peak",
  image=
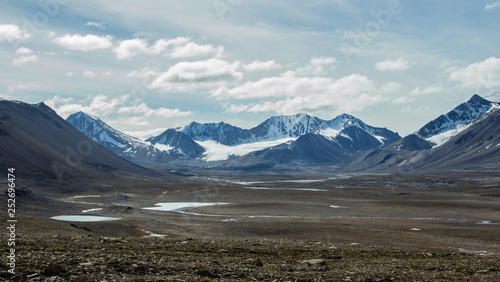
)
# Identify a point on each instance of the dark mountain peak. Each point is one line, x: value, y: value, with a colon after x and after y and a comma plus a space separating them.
x: 462, y: 114
x: 179, y: 142
x: 345, y: 116
x: 44, y: 107
x: 41, y: 104
x: 84, y: 115
x: 349, y: 120
x: 295, y: 117
x: 478, y: 100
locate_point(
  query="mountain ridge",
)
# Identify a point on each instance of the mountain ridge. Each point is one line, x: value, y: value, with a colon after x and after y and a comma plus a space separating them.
x: 39, y: 143
x: 222, y: 141
x: 416, y: 152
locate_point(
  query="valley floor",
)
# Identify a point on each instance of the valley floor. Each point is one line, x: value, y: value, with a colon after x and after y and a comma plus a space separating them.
x: 265, y: 227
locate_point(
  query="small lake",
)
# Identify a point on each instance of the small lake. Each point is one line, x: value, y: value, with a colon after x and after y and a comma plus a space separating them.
x: 83, y: 218
x: 286, y: 189
x: 179, y: 206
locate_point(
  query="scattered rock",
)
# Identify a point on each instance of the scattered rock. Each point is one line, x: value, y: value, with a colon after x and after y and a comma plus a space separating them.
x: 145, y: 259
x: 205, y: 273
x: 54, y: 270
x: 141, y: 270
x: 314, y: 262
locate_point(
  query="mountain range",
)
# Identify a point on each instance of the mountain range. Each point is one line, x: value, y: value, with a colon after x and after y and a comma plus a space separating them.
x: 41, y: 143
x: 297, y: 139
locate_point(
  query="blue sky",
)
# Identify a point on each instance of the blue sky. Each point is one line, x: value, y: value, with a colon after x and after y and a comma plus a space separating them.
x: 150, y: 65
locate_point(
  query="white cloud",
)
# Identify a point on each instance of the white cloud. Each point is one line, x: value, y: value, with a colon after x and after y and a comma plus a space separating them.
x: 5, y: 96
x: 70, y: 74
x: 194, y: 50
x: 11, y: 32
x: 89, y: 74
x: 99, y: 25
x: 189, y: 76
x: 51, y: 102
x: 479, y: 74
x: 146, y: 73
x: 316, y: 66
x: 24, y: 51
x: 48, y: 33
x: 261, y: 66
x: 289, y: 93
x: 26, y: 56
x: 108, y: 73
x: 148, y: 112
x: 428, y: 90
x: 85, y: 43
x: 100, y: 105
x: 236, y: 108
x: 393, y: 65
x: 24, y: 59
x: 180, y: 47
x: 391, y: 87
x: 29, y: 86
x: 492, y: 6
x: 403, y: 99
x: 317, y: 61
x: 162, y: 45
x: 289, y: 84
x: 130, y: 48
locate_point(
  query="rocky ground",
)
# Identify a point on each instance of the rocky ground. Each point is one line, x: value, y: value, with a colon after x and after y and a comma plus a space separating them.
x: 78, y: 258
x: 363, y: 228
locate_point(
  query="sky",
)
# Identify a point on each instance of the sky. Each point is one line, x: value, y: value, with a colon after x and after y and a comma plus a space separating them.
x: 145, y: 66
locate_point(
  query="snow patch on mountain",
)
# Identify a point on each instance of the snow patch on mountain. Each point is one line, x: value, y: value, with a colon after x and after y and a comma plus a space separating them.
x: 219, y: 152
x: 163, y: 147
x: 442, y: 129
x: 443, y: 137
x: 335, y: 128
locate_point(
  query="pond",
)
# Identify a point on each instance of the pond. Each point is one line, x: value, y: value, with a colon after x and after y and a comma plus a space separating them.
x: 84, y: 218
x: 177, y: 206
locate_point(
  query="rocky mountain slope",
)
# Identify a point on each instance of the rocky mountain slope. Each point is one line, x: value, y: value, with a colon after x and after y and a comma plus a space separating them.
x: 465, y: 137
x: 40, y: 144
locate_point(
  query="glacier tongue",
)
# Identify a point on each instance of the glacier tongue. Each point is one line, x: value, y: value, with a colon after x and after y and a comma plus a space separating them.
x: 219, y: 152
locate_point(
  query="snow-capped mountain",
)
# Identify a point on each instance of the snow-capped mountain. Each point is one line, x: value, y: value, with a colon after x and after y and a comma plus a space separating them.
x: 353, y: 134
x: 443, y: 128
x: 450, y: 124
x: 108, y: 137
x: 173, y: 140
x: 286, y: 126
x: 274, y: 128
x: 222, y: 141
x: 332, y: 142
x: 126, y: 146
x: 221, y: 133
x: 456, y: 135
